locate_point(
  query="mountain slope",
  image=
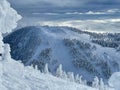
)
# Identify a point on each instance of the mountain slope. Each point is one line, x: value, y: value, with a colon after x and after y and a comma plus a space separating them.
x: 17, y: 77
x: 13, y: 74
x: 73, y: 49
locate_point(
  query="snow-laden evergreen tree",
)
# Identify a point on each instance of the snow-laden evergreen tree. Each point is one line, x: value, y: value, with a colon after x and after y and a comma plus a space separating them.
x: 101, y: 86
x: 84, y: 82
x: 46, y: 71
x: 59, y: 71
x: 64, y: 75
x: 78, y: 79
x: 71, y: 76
x: 36, y: 67
x: 95, y: 83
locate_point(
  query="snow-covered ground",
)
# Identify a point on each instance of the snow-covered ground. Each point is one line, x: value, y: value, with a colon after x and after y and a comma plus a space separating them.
x: 14, y: 75
x: 17, y: 77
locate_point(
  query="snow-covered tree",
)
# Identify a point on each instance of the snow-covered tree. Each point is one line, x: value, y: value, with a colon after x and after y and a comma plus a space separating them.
x: 71, y: 76
x: 59, y: 72
x: 64, y: 75
x: 95, y: 83
x: 36, y: 67
x: 84, y: 82
x: 101, y: 86
x: 78, y: 79
x: 46, y: 71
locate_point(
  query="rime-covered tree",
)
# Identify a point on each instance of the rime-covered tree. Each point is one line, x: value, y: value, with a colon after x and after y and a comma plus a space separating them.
x: 64, y: 75
x: 78, y: 79
x: 101, y: 86
x: 36, y: 67
x: 71, y: 76
x: 59, y: 71
x: 46, y: 71
x: 84, y: 82
x: 95, y: 83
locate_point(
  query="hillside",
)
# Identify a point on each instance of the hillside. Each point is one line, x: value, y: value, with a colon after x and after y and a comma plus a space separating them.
x: 70, y: 47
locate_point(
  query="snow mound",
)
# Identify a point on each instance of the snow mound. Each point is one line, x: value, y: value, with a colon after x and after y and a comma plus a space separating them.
x: 114, y: 81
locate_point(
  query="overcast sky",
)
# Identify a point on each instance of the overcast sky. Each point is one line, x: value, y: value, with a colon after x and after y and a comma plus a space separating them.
x: 62, y: 10
x: 70, y: 5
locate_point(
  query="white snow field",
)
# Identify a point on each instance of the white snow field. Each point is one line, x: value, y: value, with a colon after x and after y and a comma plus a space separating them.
x: 13, y: 74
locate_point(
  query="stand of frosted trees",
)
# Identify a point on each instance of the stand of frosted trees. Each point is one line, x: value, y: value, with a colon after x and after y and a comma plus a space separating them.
x: 97, y: 83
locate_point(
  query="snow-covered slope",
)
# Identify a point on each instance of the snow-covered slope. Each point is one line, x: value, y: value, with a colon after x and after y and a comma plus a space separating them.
x: 73, y: 49
x: 17, y: 77
x: 13, y: 74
